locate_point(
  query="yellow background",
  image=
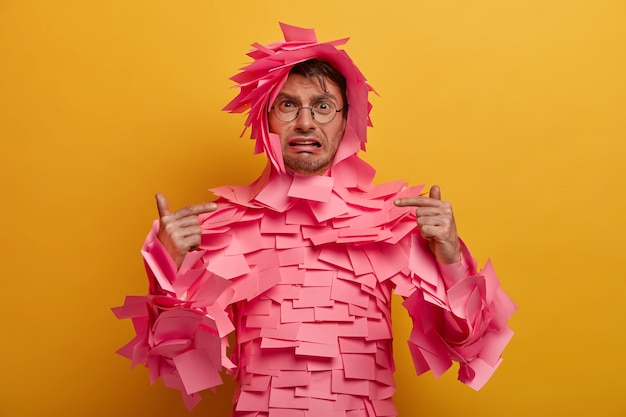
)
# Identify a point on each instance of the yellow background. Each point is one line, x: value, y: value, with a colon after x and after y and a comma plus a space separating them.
x: 516, y: 108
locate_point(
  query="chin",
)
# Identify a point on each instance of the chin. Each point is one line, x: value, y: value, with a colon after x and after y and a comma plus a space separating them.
x: 307, y: 170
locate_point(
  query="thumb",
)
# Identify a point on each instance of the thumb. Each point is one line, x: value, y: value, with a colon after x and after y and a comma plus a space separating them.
x: 435, y: 192
x: 162, y: 205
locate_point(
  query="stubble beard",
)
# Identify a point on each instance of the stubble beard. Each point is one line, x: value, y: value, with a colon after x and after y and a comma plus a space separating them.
x: 308, y: 165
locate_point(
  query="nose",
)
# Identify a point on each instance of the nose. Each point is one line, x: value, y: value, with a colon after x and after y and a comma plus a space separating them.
x: 304, y: 120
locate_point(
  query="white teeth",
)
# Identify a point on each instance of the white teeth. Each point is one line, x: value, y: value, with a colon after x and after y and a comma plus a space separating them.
x: 304, y: 143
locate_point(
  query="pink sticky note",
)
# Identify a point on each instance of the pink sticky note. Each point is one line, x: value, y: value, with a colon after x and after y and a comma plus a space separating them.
x: 367, y: 281
x: 422, y: 262
x: 358, y: 328
x: 461, y: 294
x: 364, y: 312
x: 289, y: 314
x: 301, y: 215
x: 321, y: 407
x: 349, y: 386
x: 359, y: 366
x: 257, y: 383
x: 314, y: 187
x: 289, y: 241
x: 334, y: 207
x: 337, y: 312
x: 494, y: 344
x: 293, y: 256
x: 161, y: 265
x: 277, y: 224
x: 286, y: 398
x: 287, y: 331
x: 359, y: 234
x: 294, y: 33
x: 317, y: 349
x: 253, y: 401
x: 384, y: 376
x: 134, y: 306
x: 350, y: 404
x: 349, y: 292
x: 292, y: 379
x: 318, y: 333
x: 385, y: 407
x: 225, y: 215
x: 364, y: 220
x: 314, y: 297
x: 359, y: 199
x: 336, y: 255
x: 356, y: 345
x: 387, y: 261
x: 245, y: 240
x: 268, y: 343
x: 359, y: 260
x: 175, y: 324
x: 482, y: 372
x: 291, y: 275
x: 400, y: 230
x: 320, y: 236
x: 284, y: 412
x: 320, y: 387
x: 261, y: 306
x: 319, y: 278
x: 271, y: 321
x: 274, y: 195
x: 228, y: 266
x: 379, y: 390
x: 197, y: 371
x: 352, y: 172
x: 386, y: 189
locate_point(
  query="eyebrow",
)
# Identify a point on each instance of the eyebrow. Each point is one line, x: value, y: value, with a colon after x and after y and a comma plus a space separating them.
x: 314, y: 98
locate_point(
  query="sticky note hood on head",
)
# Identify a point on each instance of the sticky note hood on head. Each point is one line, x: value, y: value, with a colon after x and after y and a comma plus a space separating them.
x: 260, y: 82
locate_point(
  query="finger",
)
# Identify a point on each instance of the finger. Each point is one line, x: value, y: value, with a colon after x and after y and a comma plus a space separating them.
x: 429, y: 211
x: 195, y: 210
x: 435, y: 192
x: 416, y: 202
x: 194, y: 243
x: 408, y: 201
x: 188, y: 222
x: 162, y: 205
x: 433, y: 221
x: 180, y: 229
x: 191, y: 232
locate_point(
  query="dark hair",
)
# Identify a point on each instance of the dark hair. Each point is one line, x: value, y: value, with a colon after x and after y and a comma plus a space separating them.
x: 322, y: 70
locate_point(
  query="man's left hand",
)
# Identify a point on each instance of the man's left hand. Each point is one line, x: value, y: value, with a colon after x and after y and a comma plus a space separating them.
x: 436, y: 223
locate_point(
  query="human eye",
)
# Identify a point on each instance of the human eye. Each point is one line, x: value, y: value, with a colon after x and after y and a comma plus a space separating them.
x: 323, y: 107
x: 286, y: 105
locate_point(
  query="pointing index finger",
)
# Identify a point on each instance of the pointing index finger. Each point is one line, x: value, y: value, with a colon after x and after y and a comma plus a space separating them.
x: 195, y: 210
x: 417, y: 201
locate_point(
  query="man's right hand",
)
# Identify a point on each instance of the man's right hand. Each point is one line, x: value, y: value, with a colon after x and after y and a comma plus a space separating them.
x: 179, y: 232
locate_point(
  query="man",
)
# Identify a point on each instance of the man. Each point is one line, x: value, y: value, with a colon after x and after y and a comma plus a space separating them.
x: 301, y: 264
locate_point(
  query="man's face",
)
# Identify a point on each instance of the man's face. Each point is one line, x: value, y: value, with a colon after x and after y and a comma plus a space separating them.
x: 308, y: 147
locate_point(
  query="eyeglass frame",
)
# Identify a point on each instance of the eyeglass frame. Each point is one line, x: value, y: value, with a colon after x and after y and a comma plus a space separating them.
x: 297, y: 113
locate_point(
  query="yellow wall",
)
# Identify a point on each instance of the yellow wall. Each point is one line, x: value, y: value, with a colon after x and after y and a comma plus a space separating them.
x: 516, y: 108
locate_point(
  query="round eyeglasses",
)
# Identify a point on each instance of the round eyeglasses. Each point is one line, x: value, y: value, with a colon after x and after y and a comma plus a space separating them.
x: 322, y: 111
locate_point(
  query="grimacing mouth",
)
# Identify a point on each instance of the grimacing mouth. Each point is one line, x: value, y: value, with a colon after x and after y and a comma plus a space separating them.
x: 304, y: 142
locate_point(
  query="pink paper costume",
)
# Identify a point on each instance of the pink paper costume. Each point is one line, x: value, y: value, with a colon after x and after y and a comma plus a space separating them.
x: 302, y: 270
